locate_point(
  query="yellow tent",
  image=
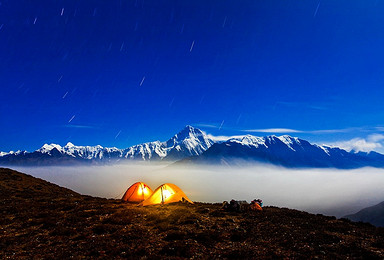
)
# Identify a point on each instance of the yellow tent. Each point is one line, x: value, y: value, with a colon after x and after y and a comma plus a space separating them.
x: 166, y: 193
x: 138, y: 192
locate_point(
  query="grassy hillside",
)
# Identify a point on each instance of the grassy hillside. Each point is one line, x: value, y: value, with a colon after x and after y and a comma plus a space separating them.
x: 43, y: 220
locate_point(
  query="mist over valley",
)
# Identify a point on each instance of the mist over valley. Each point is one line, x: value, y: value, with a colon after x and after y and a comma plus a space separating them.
x: 325, y: 191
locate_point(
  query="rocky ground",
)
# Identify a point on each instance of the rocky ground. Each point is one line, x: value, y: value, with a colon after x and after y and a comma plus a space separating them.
x: 43, y: 220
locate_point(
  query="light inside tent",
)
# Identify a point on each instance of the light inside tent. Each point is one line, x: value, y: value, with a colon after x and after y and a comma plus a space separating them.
x: 142, y: 190
x: 166, y: 194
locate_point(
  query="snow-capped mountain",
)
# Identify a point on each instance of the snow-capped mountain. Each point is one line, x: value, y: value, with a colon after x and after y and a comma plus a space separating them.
x: 285, y: 151
x: 147, y: 151
x: 188, y: 142
x: 83, y: 152
x: 12, y: 152
x: 193, y: 145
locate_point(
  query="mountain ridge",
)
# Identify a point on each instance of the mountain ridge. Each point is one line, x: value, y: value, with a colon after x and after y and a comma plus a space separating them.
x: 191, y: 145
x: 189, y: 141
x: 373, y: 214
x: 284, y: 151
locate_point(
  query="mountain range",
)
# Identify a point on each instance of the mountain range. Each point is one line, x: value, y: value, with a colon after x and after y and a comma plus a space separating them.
x: 189, y: 141
x: 191, y: 145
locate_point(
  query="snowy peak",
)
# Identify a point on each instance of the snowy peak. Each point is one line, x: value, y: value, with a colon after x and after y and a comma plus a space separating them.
x: 69, y: 145
x: 146, y: 151
x: 248, y: 140
x: 83, y: 152
x: 47, y: 148
x: 289, y: 140
x: 86, y: 152
x: 188, y: 142
x: 188, y: 132
x: 12, y: 153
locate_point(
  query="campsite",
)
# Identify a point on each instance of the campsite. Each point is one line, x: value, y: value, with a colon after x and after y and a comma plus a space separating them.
x: 43, y: 220
x: 166, y: 193
x: 136, y: 129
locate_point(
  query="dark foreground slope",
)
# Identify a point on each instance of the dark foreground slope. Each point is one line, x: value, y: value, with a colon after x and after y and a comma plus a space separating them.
x: 42, y: 220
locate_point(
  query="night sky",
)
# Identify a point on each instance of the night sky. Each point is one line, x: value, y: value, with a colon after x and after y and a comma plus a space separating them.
x: 118, y: 73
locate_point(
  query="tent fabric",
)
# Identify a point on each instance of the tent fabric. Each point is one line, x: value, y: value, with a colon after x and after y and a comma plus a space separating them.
x: 256, y: 206
x: 166, y: 193
x: 137, y: 192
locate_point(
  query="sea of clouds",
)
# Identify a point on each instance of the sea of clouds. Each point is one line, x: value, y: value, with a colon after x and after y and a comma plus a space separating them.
x: 326, y: 191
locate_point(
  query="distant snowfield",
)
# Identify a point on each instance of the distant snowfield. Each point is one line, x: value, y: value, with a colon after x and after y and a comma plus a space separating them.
x: 325, y: 191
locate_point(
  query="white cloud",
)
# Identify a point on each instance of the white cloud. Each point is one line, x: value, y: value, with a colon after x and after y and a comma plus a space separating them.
x: 376, y: 137
x: 288, y: 130
x: 273, y: 130
x: 332, y: 131
x: 206, y: 125
x: 80, y: 126
x: 372, y: 142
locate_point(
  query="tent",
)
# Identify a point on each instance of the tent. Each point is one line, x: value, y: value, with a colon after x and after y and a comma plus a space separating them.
x: 256, y: 206
x: 138, y: 192
x: 166, y: 193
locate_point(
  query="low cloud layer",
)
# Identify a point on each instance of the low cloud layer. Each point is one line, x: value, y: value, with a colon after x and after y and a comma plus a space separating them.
x: 326, y: 191
x: 274, y: 131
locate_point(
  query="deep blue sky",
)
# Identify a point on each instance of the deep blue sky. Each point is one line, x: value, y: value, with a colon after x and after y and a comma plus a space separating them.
x: 118, y: 73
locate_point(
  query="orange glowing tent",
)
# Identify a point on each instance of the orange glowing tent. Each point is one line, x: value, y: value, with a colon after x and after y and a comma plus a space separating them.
x: 137, y: 192
x: 256, y: 206
x: 166, y: 193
